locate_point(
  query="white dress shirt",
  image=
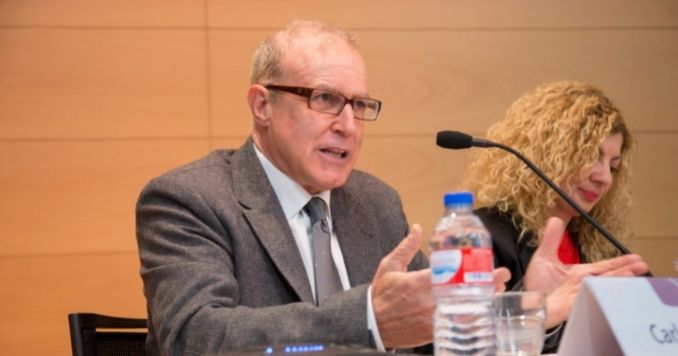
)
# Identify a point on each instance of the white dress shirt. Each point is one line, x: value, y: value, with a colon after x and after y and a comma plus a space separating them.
x: 293, y: 197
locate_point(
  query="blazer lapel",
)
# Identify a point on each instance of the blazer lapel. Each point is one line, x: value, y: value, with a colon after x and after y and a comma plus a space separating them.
x: 267, y: 220
x: 358, y: 245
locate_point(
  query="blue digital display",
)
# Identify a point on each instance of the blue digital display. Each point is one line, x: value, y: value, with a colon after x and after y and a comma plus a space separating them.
x: 303, y: 348
x: 294, y: 349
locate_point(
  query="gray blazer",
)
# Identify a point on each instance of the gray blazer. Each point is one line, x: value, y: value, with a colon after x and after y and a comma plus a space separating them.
x: 221, y: 269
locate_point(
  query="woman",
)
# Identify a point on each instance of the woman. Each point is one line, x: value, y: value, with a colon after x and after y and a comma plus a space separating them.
x: 576, y: 135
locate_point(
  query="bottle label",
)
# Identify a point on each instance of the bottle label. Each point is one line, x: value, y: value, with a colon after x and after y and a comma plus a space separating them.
x: 465, y: 265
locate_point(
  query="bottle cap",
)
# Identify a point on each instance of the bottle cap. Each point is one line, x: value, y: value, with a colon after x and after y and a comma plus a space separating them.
x: 458, y: 198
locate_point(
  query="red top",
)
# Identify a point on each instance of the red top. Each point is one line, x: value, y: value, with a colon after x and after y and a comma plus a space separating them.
x: 567, y: 252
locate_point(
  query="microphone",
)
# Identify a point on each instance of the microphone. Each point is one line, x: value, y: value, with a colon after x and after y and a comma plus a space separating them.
x: 459, y: 140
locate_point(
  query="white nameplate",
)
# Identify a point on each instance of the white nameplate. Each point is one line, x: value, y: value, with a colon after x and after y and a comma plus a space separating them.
x: 623, y: 316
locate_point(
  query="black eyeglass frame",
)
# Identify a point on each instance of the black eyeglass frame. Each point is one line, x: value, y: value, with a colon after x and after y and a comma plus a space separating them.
x: 308, y: 93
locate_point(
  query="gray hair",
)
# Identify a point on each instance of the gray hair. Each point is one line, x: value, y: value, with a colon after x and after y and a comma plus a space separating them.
x: 267, y: 60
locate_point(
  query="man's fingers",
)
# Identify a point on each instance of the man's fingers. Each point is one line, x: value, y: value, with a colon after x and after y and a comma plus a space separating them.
x: 553, y: 235
x: 403, y: 307
x: 409, y: 247
x: 400, y: 257
x: 422, y: 278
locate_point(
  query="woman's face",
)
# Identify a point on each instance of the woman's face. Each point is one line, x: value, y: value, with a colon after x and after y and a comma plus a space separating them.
x: 593, y: 183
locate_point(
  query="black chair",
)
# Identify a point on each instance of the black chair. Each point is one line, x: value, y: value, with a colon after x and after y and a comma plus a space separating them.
x: 102, y: 335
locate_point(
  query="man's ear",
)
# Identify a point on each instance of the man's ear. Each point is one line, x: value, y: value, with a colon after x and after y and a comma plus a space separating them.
x: 260, y: 106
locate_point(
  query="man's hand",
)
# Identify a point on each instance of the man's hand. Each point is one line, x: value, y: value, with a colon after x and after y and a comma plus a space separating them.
x: 402, y: 301
x: 561, y: 282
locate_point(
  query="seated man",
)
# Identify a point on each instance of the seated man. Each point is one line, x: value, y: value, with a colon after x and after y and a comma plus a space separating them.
x: 225, y: 242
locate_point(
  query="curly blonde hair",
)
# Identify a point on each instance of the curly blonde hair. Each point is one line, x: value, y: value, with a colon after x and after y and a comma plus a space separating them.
x: 559, y: 126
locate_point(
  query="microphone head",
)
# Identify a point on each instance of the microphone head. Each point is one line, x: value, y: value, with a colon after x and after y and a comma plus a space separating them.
x: 454, y: 139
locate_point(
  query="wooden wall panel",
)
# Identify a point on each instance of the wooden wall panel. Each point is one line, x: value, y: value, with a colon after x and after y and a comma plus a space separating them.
x: 655, y: 193
x: 466, y: 80
x: 39, y: 291
x: 148, y: 13
x: 228, y: 143
x: 659, y: 251
x: 102, y: 83
x: 402, y: 14
x: 79, y: 196
x: 433, y: 80
x: 230, y: 59
x: 99, y: 96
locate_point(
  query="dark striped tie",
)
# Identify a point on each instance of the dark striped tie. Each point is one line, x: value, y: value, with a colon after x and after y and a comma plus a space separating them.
x: 327, y: 280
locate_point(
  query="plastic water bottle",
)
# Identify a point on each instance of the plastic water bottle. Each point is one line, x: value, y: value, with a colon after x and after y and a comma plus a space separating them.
x: 461, y: 276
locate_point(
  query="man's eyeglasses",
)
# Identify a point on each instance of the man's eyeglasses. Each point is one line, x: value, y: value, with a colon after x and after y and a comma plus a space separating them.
x: 331, y: 102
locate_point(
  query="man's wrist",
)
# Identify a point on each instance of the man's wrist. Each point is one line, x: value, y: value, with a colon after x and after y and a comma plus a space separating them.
x: 372, y: 323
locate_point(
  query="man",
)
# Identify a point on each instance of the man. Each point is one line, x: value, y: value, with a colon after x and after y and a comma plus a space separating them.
x: 227, y: 243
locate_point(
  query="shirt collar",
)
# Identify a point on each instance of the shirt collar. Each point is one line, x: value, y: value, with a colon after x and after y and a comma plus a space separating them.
x: 291, y: 195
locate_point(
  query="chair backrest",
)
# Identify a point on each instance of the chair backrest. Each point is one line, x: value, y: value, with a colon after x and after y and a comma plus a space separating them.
x: 96, y: 335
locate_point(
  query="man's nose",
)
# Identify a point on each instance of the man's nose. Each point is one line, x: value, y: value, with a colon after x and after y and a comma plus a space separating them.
x: 345, y: 121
